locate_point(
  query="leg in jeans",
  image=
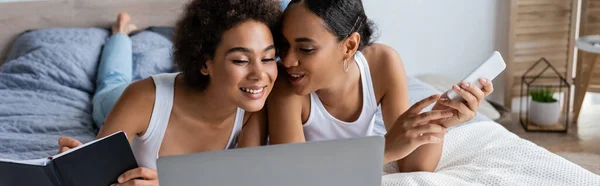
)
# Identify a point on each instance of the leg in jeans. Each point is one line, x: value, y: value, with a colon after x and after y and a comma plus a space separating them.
x: 114, y: 71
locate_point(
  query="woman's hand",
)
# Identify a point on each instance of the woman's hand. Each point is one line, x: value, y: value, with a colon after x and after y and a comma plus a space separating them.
x: 413, y: 129
x: 138, y: 177
x: 135, y: 177
x: 67, y: 143
x: 464, y: 110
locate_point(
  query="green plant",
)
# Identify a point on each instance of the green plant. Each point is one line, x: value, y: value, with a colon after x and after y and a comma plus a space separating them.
x: 544, y: 95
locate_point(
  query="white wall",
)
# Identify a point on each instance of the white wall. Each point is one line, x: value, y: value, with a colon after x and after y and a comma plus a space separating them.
x: 443, y: 37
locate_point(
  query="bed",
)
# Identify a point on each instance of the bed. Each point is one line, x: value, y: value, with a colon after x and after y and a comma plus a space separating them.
x: 483, y: 152
x: 47, y: 82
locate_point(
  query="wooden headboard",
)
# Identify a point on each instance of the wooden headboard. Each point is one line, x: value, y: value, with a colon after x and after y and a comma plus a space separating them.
x: 16, y: 17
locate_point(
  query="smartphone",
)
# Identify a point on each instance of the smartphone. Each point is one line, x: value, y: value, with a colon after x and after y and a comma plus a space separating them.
x: 489, y: 69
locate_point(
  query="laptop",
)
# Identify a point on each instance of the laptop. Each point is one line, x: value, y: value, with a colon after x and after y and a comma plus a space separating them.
x: 348, y: 162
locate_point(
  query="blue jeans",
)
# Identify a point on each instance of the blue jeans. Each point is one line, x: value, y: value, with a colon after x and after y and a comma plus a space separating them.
x: 114, y: 75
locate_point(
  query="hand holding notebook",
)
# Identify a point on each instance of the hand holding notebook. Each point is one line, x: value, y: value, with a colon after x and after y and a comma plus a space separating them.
x: 99, y: 162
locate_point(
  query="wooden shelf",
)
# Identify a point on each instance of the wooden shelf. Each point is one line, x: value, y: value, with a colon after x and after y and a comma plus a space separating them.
x: 539, y: 28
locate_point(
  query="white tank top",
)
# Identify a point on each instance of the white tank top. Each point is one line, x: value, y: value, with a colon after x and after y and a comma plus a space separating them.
x: 323, y: 126
x: 146, y: 147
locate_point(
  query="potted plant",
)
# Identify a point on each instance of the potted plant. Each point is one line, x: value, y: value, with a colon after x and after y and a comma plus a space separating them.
x: 544, y: 109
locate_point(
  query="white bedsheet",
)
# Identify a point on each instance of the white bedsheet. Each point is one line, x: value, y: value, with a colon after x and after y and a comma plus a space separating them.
x: 485, y: 153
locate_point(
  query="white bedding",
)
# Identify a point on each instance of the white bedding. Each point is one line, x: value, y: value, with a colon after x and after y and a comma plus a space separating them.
x: 485, y: 153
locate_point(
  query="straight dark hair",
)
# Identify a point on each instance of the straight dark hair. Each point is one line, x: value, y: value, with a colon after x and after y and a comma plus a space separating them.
x: 342, y: 18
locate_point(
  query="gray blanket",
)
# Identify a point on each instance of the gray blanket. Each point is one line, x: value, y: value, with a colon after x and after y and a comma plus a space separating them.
x: 47, y: 84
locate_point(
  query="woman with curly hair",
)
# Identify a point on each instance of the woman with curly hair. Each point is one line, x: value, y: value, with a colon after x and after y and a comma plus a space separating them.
x: 226, y: 54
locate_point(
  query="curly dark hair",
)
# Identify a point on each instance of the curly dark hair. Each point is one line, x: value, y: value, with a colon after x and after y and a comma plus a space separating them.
x: 199, y: 31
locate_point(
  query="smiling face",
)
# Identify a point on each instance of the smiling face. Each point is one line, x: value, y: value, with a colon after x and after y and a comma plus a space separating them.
x: 243, y: 67
x: 312, y: 55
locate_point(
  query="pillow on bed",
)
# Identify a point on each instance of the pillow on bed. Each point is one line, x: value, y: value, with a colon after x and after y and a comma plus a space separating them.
x: 152, y: 53
x: 166, y: 32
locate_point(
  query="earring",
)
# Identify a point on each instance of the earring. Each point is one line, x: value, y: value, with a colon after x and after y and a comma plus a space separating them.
x: 204, y: 71
x: 346, y: 66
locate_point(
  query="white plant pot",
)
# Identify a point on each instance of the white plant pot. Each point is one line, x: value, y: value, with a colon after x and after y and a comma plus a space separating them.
x: 544, y: 114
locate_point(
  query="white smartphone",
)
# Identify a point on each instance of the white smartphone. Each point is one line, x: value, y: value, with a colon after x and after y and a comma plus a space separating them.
x: 489, y: 69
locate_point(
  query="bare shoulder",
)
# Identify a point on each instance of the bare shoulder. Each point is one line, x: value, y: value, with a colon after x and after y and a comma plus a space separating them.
x: 133, y: 110
x: 381, y: 57
x: 255, y: 116
x: 142, y: 93
x: 283, y: 102
x: 386, y: 68
x: 286, y: 112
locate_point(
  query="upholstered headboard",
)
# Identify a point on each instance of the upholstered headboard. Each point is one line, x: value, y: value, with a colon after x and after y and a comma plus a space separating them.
x: 16, y: 17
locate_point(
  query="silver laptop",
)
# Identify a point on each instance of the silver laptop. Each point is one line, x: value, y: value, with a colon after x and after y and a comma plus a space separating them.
x: 348, y: 162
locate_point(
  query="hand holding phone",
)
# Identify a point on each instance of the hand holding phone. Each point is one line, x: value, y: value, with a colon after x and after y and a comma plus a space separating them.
x: 470, y: 92
x: 489, y: 69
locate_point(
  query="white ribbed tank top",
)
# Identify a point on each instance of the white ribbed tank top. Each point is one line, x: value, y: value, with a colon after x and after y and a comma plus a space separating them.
x: 146, y: 147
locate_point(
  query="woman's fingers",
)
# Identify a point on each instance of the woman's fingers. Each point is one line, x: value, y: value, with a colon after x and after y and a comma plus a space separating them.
x: 419, y: 106
x: 63, y: 149
x: 474, y: 90
x: 137, y: 183
x: 67, y: 143
x: 488, y: 86
x: 427, y: 129
x: 456, y: 105
x: 426, y: 117
x: 140, y: 172
x: 425, y: 139
x: 467, y: 96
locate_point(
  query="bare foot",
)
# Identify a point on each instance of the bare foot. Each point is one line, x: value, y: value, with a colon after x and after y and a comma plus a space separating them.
x: 122, y: 25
